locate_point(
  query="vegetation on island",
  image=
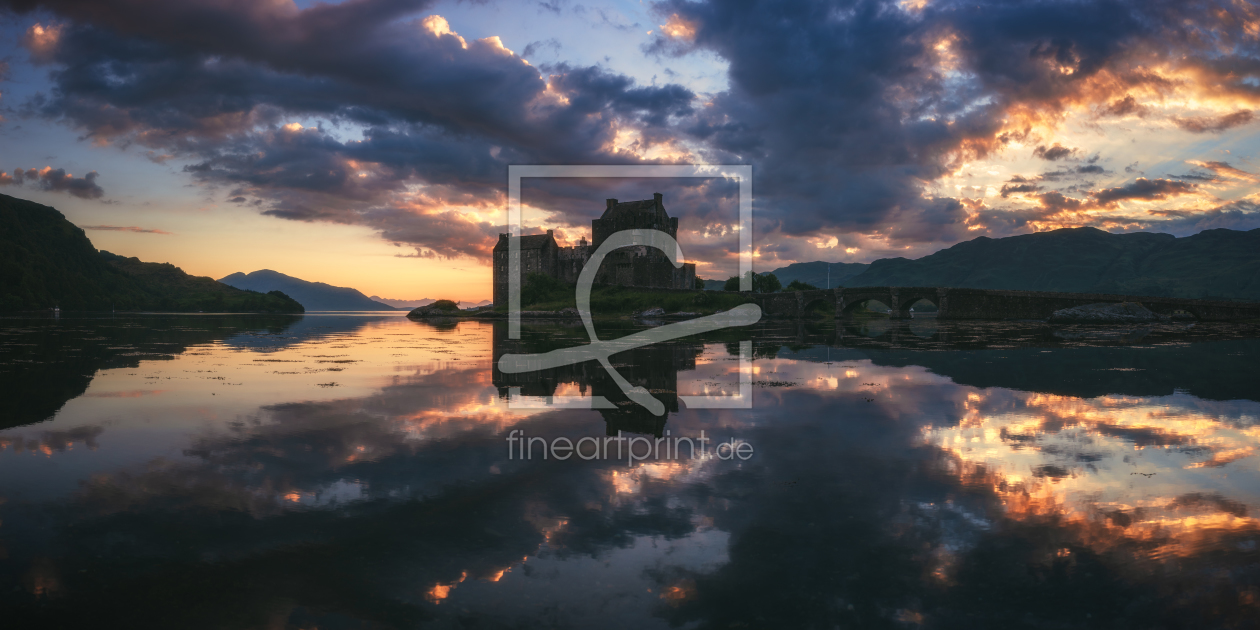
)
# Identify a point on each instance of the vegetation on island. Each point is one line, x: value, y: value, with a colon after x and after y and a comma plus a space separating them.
x: 541, y: 292
x: 439, y: 308
x: 761, y: 282
x: 46, y: 262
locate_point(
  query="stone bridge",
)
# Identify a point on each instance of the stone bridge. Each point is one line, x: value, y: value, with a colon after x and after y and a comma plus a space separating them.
x: 988, y: 303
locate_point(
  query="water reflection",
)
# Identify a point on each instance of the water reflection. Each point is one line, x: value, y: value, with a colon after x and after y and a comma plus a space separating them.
x: 1150, y: 469
x: 654, y: 368
x: 336, y: 472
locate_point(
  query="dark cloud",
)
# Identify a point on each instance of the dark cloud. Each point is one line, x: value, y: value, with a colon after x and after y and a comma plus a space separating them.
x: 532, y: 48
x: 1142, y: 188
x: 845, y: 110
x: 1056, y: 152
x: 1071, y: 172
x: 1123, y: 107
x: 119, y: 228
x: 217, y: 83
x: 554, y: 6
x: 1198, y: 176
x: 59, y: 181
x: 55, y: 180
x: 1225, y: 169
x: 1008, y: 189
x: 1055, y: 201
x: 1215, y: 124
x: 1237, y: 215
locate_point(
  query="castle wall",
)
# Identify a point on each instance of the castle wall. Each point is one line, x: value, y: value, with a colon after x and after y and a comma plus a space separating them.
x: 629, y: 266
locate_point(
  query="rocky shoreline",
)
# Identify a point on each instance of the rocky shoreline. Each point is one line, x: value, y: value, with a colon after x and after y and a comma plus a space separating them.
x: 1108, y: 313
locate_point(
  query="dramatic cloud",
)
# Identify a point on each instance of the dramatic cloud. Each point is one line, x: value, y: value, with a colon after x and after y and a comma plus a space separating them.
x: 1145, y: 189
x: 55, y: 180
x: 41, y: 42
x: 218, y: 85
x: 1224, y: 169
x: 1127, y: 106
x: 1009, y: 189
x: 1056, y: 152
x: 1215, y: 124
x: 379, y: 113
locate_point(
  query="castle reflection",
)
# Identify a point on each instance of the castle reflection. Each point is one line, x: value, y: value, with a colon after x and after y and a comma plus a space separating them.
x: 654, y: 368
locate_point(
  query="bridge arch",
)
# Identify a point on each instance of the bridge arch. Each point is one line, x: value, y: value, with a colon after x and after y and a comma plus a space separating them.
x: 1192, y: 311
x: 813, y: 298
x: 908, y: 298
x: 853, y: 301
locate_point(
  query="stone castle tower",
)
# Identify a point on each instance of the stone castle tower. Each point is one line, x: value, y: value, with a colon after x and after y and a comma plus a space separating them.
x: 637, y: 266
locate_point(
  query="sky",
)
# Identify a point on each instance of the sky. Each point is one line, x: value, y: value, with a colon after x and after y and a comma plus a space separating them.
x: 366, y: 143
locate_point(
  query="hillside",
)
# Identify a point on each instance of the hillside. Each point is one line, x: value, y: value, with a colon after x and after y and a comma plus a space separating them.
x: 47, y: 261
x: 315, y: 296
x: 1213, y: 263
x: 816, y: 273
x: 173, y: 290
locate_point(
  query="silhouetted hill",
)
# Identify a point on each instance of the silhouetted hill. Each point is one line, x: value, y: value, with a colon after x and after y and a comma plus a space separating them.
x: 1213, y: 263
x: 173, y: 290
x: 815, y: 273
x: 315, y: 296
x: 47, y: 261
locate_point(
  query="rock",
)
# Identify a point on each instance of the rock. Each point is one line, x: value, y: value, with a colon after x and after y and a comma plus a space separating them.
x: 1107, y: 313
x: 570, y: 312
x: 655, y: 311
x: 440, y: 308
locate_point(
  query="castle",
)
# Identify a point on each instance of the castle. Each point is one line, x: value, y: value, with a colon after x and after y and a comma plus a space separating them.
x: 635, y: 266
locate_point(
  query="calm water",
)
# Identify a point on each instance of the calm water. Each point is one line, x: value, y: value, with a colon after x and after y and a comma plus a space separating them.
x: 351, y: 471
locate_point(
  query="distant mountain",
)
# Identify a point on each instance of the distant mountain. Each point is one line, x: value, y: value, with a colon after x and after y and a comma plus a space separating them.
x: 816, y: 273
x: 714, y: 285
x: 47, y: 261
x: 404, y: 304
x: 413, y: 304
x: 315, y: 296
x: 1213, y: 263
